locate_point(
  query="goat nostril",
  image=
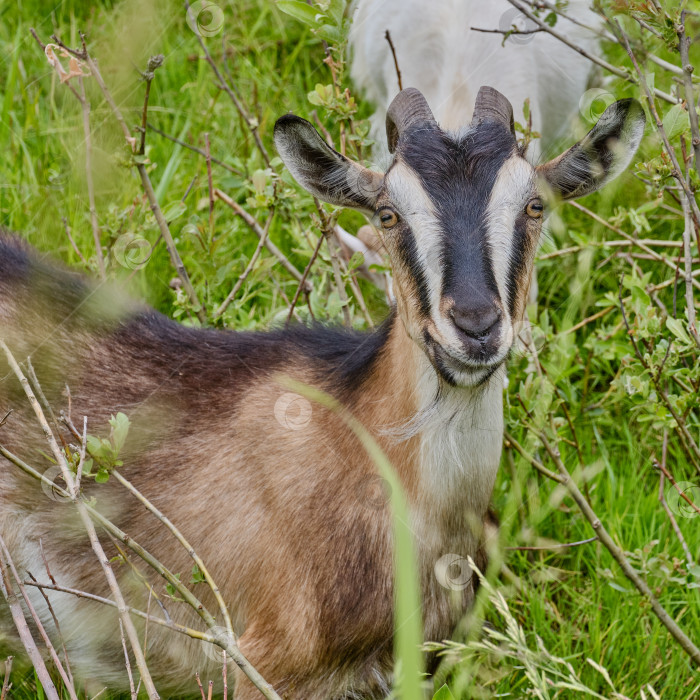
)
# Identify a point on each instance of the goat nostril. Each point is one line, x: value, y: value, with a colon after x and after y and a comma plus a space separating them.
x: 477, y: 324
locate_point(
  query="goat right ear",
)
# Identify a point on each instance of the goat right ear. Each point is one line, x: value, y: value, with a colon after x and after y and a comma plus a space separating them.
x: 323, y: 172
x: 600, y: 156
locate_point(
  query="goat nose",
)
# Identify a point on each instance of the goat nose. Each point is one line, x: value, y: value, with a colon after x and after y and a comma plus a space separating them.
x: 478, y: 323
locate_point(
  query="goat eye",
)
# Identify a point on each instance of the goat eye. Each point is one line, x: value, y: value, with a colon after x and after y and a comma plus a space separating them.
x: 534, y: 208
x: 388, y: 217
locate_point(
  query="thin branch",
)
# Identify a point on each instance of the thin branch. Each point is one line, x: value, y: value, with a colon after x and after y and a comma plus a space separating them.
x: 146, y: 183
x: 169, y: 624
x: 72, y: 242
x: 618, y: 554
x: 591, y: 57
x: 199, y: 683
x: 7, y: 562
x: 633, y: 241
x: 26, y: 636
x: 244, y: 275
x: 688, y: 260
x: 223, y: 85
x: 677, y: 170
x: 387, y: 36
x: 328, y: 231
x: 60, y: 458
x: 127, y: 663
x: 512, y: 442
x: 6, y: 682
x: 683, y: 47
x: 207, y: 157
x: 664, y: 504
x: 185, y: 544
x: 547, y: 548
x: 190, y: 147
x: 300, y: 286
x: 255, y: 226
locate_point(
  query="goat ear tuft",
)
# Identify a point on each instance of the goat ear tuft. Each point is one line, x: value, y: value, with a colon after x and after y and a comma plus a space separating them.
x: 320, y: 170
x: 601, y: 155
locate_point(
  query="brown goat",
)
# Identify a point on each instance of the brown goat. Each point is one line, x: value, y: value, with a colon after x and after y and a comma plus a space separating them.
x: 276, y: 493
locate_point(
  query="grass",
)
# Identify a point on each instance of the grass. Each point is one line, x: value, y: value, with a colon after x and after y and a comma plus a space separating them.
x: 575, y: 600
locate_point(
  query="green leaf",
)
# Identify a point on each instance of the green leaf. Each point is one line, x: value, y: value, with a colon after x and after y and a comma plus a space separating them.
x: 173, y: 210
x: 299, y: 10
x: 678, y: 329
x: 355, y: 261
x: 120, y: 429
x: 336, y: 9
x: 443, y: 694
x: 102, y: 476
x: 197, y: 575
x: 676, y: 121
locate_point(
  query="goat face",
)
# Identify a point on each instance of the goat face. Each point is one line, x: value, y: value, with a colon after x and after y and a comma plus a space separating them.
x: 460, y: 214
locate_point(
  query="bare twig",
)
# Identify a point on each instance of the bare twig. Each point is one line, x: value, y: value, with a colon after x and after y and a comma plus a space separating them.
x: 328, y: 231
x: 677, y: 170
x: 251, y: 123
x: 154, y: 62
x: 127, y: 663
x: 60, y: 458
x: 633, y: 241
x: 145, y: 181
x: 182, y: 629
x: 190, y: 147
x: 207, y: 156
x: 618, y: 554
x: 199, y: 683
x: 25, y: 635
x: 688, y: 260
x: 664, y: 504
x: 185, y: 544
x: 549, y: 547
x: 300, y: 286
x: 244, y: 275
x: 6, y: 682
x: 387, y: 36
x: 687, y: 67
x: 255, y: 226
x: 591, y: 57
x: 72, y: 242
x: 56, y: 624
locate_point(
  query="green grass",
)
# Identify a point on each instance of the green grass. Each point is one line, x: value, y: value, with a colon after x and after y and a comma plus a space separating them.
x: 575, y: 600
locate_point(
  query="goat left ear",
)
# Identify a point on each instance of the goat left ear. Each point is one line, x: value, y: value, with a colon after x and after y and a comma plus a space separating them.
x: 602, y: 154
x: 322, y: 171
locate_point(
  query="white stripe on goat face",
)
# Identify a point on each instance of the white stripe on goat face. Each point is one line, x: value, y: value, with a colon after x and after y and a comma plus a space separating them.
x: 515, y: 185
